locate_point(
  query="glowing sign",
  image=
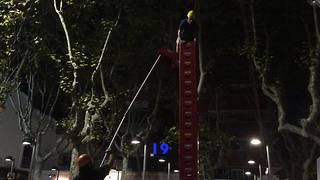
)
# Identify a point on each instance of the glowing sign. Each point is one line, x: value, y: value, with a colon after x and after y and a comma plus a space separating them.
x: 163, y: 148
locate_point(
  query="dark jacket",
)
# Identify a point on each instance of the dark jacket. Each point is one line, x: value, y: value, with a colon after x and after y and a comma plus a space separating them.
x: 90, y: 173
x: 187, y: 31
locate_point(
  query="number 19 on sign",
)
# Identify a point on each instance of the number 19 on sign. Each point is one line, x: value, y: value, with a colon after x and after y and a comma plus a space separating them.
x: 164, y: 149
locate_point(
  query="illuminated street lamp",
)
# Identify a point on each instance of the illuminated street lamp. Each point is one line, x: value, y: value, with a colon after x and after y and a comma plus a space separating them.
x: 28, y: 141
x: 55, y: 169
x: 256, y: 142
x: 135, y: 141
x: 11, y: 160
x: 162, y: 160
x: 251, y: 162
x: 248, y: 173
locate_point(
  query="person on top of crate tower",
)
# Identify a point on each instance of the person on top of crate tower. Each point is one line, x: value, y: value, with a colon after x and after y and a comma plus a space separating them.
x: 186, y: 31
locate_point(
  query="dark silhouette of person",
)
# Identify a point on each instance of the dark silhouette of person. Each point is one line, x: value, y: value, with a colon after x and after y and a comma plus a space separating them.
x: 87, y: 170
x: 186, y: 31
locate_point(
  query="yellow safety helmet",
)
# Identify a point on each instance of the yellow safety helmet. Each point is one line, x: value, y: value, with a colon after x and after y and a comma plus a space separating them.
x: 190, y: 14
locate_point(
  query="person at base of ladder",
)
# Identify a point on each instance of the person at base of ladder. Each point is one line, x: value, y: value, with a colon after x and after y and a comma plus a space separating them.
x: 186, y: 31
x: 88, y: 172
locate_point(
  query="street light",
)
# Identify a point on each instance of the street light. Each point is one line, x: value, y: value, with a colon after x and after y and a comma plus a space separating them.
x: 27, y: 141
x: 11, y: 160
x: 251, y: 162
x: 256, y: 142
x: 135, y: 142
x: 162, y: 160
x: 55, y: 169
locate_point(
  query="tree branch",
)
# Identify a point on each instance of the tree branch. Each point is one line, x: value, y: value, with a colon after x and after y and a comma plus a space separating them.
x: 200, y: 54
x: 45, y: 130
x: 66, y: 32
x: 55, y: 149
x: 21, y: 124
x: 300, y: 131
x: 101, y: 57
x: 314, y: 81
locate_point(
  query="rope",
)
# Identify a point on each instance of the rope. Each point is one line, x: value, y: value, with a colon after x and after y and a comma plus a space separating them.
x: 124, y: 116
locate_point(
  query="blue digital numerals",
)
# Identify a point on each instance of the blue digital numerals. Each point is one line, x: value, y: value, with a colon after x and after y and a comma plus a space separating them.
x: 164, y: 149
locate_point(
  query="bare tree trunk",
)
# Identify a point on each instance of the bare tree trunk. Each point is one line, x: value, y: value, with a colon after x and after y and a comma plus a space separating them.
x: 37, y: 170
x: 73, y: 164
x: 306, y: 168
x: 125, y: 162
x: 200, y: 56
x: 139, y: 165
x: 308, y: 163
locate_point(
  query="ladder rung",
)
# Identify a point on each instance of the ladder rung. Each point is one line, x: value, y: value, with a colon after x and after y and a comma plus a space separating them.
x: 187, y: 113
x: 188, y: 73
x: 187, y: 63
x: 188, y: 44
x: 187, y: 53
x: 187, y: 157
x: 187, y: 135
x: 188, y: 103
x: 187, y: 169
x: 188, y: 124
x: 187, y: 146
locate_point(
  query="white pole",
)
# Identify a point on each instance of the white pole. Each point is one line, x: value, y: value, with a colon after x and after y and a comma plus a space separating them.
x: 168, y: 171
x: 118, y: 175
x: 144, y: 161
x: 124, y: 115
x: 260, y: 172
x: 58, y: 173
x: 269, y: 163
x: 32, y: 161
x: 11, y: 169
